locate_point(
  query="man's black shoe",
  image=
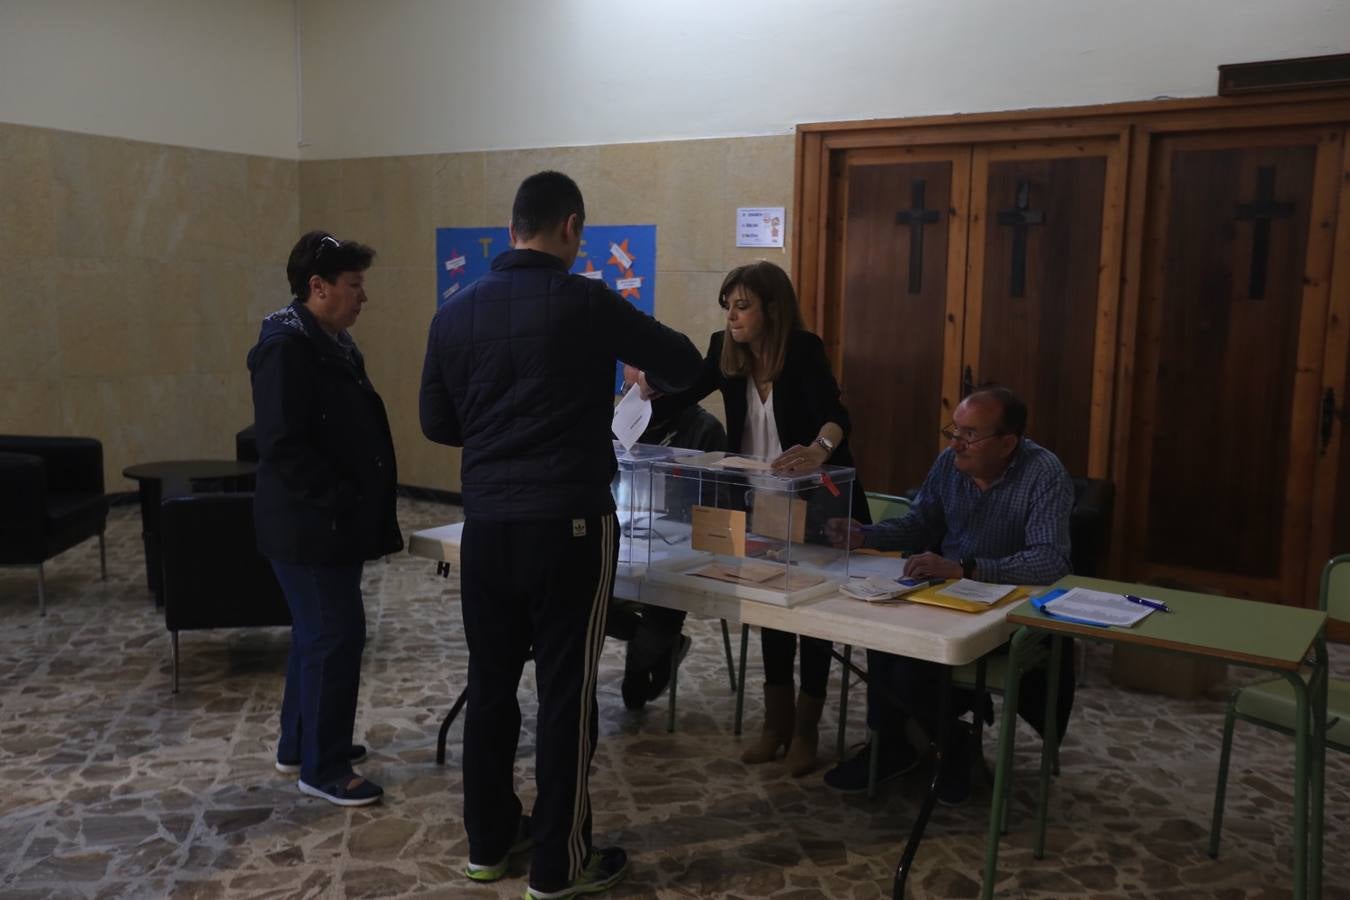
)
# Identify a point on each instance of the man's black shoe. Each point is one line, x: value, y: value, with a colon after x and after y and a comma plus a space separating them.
x: 850, y: 775
x: 660, y: 674
x: 634, y: 688
x: 953, y: 787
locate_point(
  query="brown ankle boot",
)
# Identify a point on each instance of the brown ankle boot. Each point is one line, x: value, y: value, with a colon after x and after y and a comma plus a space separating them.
x: 777, y: 731
x: 801, y: 755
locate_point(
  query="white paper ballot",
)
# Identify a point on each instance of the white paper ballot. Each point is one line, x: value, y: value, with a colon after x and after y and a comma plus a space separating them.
x: 631, y: 417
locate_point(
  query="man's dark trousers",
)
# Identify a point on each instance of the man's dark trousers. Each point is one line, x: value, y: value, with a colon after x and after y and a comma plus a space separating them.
x: 544, y: 584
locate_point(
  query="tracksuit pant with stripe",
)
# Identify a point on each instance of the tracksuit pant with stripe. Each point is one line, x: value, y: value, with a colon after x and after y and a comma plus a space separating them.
x: 547, y: 585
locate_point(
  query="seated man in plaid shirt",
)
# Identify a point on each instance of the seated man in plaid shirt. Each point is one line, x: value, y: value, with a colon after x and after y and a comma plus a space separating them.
x: 994, y: 507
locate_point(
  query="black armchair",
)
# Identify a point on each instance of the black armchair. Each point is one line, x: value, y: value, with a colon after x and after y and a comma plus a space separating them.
x: 214, y: 576
x: 51, y: 498
x: 246, y: 445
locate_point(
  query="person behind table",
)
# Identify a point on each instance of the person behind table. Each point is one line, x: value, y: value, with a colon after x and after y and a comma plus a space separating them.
x: 782, y: 403
x: 653, y: 634
x: 324, y: 504
x: 519, y: 371
x: 994, y: 507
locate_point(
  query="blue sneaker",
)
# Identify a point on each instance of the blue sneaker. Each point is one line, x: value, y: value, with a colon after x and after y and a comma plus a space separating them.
x: 497, y: 871
x: 351, y: 790
x: 607, y: 868
x: 356, y: 755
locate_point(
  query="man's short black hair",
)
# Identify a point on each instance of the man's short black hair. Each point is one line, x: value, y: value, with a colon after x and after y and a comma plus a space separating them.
x: 543, y: 202
x: 319, y: 253
x: 1013, y: 416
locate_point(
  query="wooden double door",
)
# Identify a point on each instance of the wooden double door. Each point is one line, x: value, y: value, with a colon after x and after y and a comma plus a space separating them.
x: 1167, y: 284
x: 967, y: 265
x: 1240, y: 378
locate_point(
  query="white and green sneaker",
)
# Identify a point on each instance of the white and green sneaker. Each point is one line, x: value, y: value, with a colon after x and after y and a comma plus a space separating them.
x: 497, y: 871
x: 607, y: 868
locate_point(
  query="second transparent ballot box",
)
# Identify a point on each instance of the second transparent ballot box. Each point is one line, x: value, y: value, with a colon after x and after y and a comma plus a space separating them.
x: 633, y: 487
x: 727, y: 523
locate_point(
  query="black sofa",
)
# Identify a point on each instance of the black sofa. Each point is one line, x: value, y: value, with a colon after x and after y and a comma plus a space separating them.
x: 51, y: 498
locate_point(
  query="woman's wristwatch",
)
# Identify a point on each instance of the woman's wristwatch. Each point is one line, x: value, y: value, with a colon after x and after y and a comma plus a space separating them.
x: 825, y: 442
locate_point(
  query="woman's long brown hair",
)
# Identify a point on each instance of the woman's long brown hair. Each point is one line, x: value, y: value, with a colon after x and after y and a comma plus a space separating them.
x: 781, y: 317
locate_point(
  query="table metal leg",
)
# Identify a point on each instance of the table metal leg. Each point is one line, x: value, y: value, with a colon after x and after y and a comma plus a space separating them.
x: 731, y: 663
x: 740, y: 686
x: 1317, y: 765
x: 674, y: 685
x: 943, y: 737
x: 1007, y: 738
x: 1301, y: 716
x: 843, y: 702
x: 1049, y: 739
x: 1221, y: 782
x: 446, y: 723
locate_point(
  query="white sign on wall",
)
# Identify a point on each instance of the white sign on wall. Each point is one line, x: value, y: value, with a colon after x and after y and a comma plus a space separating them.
x: 760, y: 226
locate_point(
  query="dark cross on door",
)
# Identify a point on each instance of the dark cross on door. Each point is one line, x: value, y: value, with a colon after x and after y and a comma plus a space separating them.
x: 1019, y: 217
x: 1260, y: 213
x: 916, y: 217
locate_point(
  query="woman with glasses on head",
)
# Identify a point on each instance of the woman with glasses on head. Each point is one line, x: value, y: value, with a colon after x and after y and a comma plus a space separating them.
x: 324, y: 504
x: 782, y: 404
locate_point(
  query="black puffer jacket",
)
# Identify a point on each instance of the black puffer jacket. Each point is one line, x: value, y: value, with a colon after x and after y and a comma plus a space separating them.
x: 326, y: 472
x: 520, y: 372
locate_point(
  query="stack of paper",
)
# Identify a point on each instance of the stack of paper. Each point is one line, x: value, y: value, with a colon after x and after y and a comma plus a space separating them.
x: 1096, y: 608
x: 880, y: 589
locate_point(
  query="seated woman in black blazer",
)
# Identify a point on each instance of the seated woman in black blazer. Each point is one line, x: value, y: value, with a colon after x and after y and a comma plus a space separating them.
x: 782, y: 403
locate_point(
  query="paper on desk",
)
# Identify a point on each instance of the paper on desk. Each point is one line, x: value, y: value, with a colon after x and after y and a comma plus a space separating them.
x: 977, y: 591
x: 879, y: 589
x: 748, y: 572
x: 631, y: 417
x: 1097, y: 607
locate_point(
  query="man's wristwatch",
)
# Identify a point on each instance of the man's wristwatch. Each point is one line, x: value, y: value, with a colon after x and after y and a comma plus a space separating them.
x: 825, y: 442
x: 968, y: 567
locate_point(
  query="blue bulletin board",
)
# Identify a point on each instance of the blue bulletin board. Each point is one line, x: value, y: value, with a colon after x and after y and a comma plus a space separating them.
x: 623, y: 256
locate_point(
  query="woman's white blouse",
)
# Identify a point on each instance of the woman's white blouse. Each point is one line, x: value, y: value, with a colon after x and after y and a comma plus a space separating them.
x: 761, y: 429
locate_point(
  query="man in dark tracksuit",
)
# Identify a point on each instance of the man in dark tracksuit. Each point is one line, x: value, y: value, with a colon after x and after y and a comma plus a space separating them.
x: 519, y: 371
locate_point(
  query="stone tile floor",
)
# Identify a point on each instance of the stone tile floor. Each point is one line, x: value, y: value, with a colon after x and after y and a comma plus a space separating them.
x: 111, y: 786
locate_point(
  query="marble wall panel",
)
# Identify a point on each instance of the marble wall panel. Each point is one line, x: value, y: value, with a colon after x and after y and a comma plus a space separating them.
x: 132, y: 280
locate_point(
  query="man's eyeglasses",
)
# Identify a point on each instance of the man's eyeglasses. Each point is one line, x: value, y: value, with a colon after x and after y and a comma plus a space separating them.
x: 966, y: 435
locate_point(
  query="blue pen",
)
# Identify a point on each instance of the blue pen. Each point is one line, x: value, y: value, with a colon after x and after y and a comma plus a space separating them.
x: 1151, y: 604
x: 912, y: 582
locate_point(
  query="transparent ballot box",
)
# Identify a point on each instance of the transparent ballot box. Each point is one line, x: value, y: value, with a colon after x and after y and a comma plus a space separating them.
x: 728, y: 524
x: 633, y: 487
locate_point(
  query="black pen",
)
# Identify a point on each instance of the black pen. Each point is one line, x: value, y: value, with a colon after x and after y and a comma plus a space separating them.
x: 1151, y: 604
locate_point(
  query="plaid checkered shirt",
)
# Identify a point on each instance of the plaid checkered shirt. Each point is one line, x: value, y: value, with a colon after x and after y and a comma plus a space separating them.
x: 1017, y: 531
